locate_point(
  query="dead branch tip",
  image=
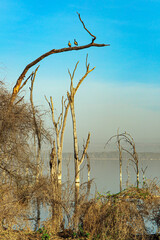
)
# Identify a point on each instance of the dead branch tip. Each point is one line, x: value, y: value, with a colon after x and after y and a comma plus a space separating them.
x: 93, y: 37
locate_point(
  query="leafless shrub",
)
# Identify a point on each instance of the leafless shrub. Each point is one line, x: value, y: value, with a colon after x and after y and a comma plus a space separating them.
x: 15, y: 130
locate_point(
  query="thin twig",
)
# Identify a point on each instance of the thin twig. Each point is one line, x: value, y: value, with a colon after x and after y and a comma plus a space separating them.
x: 94, y: 37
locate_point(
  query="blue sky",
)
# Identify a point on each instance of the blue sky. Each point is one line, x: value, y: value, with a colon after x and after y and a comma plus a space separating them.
x: 124, y: 89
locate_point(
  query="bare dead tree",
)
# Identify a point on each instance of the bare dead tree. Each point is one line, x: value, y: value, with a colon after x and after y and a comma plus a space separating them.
x: 56, y: 158
x: 127, y: 138
x: 60, y: 124
x: 59, y: 127
x: 77, y: 161
x: 21, y: 81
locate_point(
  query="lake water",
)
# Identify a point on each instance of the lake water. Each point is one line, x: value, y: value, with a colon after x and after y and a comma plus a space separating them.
x: 105, y: 173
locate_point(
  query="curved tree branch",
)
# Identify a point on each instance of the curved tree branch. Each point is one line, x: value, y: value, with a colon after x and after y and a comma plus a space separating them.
x: 18, y: 85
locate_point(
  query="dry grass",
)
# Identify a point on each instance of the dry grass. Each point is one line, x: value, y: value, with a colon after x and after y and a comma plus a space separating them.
x: 118, y: 216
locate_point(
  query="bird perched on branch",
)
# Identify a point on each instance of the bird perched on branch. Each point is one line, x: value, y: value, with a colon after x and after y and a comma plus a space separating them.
x: 69, y: 44
x: 75, y: 42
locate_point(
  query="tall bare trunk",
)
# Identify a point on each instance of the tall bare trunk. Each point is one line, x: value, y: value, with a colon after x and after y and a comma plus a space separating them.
x: 77, y: 161
x: 120, y: 160
x: 55, y: 194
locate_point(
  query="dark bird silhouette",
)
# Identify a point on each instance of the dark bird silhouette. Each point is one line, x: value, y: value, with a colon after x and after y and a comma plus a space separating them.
x: 75, y: 42
x: 69, y: 44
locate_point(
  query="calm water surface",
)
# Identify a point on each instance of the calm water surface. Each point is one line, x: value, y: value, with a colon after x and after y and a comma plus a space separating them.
x: 106, y: 173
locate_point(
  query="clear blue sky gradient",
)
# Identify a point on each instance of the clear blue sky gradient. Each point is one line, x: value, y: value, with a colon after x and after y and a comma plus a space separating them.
x: 127, y: 74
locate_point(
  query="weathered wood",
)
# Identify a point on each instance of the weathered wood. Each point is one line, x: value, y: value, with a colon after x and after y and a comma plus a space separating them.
x: 77, y: 161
